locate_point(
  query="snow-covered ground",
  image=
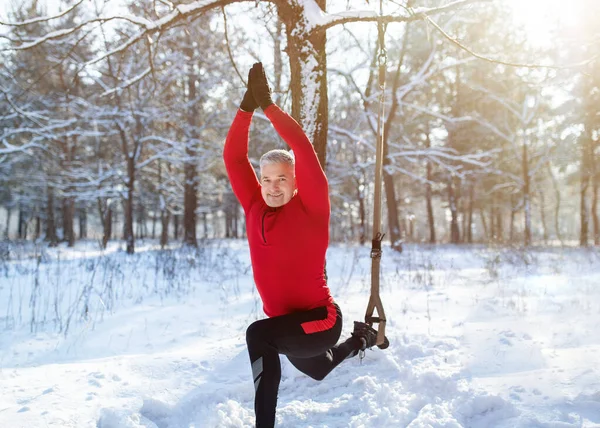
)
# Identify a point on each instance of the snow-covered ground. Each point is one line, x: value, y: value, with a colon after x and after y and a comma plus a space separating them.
x: 480, y: 337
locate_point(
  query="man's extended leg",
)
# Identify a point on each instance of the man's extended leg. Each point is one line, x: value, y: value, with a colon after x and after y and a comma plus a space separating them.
x: 286, y: 335
x: 319, y: 366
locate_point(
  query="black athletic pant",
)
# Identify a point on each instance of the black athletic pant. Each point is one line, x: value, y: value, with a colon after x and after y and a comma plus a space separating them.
x: 314, y: 354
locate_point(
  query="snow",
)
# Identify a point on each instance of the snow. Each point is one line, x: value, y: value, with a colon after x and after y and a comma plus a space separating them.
x: 480, y: 337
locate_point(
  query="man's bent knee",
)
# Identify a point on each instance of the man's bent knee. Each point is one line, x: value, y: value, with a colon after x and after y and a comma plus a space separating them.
x: 255, y: 332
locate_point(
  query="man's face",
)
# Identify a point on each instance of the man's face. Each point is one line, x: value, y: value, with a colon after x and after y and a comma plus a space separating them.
x: 278, y: 183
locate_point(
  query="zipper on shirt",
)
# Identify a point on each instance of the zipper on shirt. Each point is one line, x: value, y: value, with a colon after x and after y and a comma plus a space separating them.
x: 263, y: 226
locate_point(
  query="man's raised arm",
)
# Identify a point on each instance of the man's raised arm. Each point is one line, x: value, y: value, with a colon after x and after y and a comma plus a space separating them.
x: 235, y: 153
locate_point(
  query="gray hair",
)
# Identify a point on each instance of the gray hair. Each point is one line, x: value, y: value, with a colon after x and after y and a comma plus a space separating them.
x: 277, y: 156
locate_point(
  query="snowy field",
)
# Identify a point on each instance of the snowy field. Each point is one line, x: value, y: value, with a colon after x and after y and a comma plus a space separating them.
x: 480, y: 337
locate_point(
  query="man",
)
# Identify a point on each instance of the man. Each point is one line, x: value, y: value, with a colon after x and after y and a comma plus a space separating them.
x: 287, y: 222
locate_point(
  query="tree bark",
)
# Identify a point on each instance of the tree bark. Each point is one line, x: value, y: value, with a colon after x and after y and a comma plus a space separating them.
x: 493, y: 219
x: 82, y: 223
x: 107, y: 226
x: 308, y: 69
x: 429, y: 201
x: 388, y: 178
x: 543, y: 215
x: 278, y: 62
x: 526, y: 195
x: 50, y: 223
x: 164, y: 232
x: 190, y: 195
x: 21, y: 223
x: 557, y: 205
x: 499, y: 222
x: 362, y: 215
x: 454, y: 229
x: 38, y: 227
x: 583, y: 190
x: 68, y: 216
x: 484, y: 224
x: 469, y: 229
x: 513, y: 213
x: 130, y: 184
x: 7, y: 225
x: 175, y: 227
x: 595, y: 178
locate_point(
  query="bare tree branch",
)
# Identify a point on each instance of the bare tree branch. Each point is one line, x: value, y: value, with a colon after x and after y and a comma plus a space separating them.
x: 322, y: 21
x: 42, y: 18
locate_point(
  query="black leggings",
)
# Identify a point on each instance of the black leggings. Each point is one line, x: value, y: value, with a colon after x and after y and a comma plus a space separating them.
x: 314, y: 354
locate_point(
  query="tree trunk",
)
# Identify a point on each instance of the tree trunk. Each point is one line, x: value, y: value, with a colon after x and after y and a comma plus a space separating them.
x: 429, y: 193
x: 129, y: 237
x: 484, y: 224
x: 360, y: 195
x: 392, y: 207
x: 175, y: 227
x: 228, y: 222
x: 454, y: 230
x: 21, y: 224
x: 493, y: 218
x: 105, y: 213
x: 190, y: 193
x: 130, y: 156
x: 153, y: 224
x: 499, y: 223
x: 7, y: 225
x: 164, y: 232
x: 557, y: 205
x: 526, y: 196
x: 68, y: 217
x: 469, y: 230
x: 513, y: 213
x: 388, y: 178
x: 595, y: 178
x: 141, y: 221
x: 50, y: 223
x: 38, y: 227
x: 236, y: 218
x: 585, y: 181
x: 543, y: 216
x: 82, y: 223
x: 278, y: 62
x: 107, y: 226
x: 308, y: 70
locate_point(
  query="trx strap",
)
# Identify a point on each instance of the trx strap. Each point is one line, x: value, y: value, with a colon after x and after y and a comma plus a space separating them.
x: 375, y: 299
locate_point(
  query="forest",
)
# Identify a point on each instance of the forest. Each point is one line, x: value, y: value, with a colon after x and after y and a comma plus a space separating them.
x: 113, y: 116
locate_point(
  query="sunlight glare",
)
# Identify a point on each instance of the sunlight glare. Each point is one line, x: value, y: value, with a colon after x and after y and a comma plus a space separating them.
x: 540, y: 18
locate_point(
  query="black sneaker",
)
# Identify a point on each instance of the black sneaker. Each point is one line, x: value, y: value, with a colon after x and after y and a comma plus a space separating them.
x: 366, y: 334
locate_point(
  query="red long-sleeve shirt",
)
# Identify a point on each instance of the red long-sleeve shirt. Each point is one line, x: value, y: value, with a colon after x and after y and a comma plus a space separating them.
x: 287, y: 243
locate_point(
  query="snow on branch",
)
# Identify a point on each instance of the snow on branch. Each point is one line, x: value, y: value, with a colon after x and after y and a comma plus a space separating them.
x: 454, y: 120
x: 127, y: 83
x: 147, y: 27
x: 9, y: 148
x: 41, y: 18
x: 319, y: 20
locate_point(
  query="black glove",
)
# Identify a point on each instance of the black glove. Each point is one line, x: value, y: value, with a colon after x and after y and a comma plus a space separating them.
x: 248, y: 103
x: 260, y: 86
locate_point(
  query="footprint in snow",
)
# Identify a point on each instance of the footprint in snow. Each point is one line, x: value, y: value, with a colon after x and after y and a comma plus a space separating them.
x: 515, y: 397
x: 92, y: 379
